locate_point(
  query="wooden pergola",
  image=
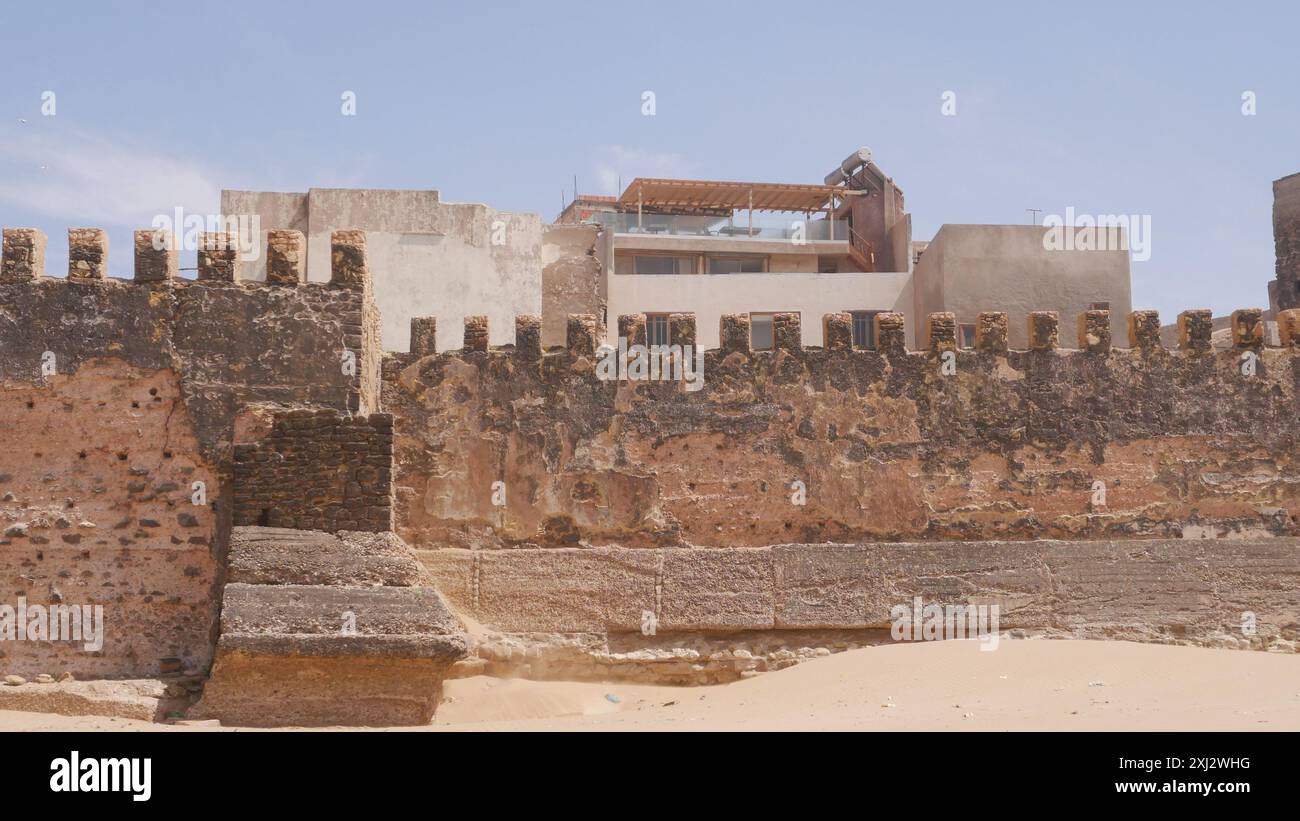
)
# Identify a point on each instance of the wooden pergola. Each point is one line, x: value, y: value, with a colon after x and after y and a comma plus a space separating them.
x: 714, y: 196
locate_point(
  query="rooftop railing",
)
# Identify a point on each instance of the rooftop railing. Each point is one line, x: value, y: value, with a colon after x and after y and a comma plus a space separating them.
x: 792, y: 230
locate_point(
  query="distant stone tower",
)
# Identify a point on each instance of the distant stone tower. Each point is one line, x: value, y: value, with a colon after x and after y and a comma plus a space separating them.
x: 1285, y: 291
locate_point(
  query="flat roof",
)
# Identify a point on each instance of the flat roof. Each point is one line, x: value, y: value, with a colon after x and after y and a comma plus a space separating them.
x: 717, y: 194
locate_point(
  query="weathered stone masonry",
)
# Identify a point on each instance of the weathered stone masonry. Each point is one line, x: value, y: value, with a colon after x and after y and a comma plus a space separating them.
x: 1286, y: 238
x: 115, y: 397
x: 317, y: 470
x: 327, y: 629
x: 837, y: 595
x: 887, y: 446
x: 981, y: 486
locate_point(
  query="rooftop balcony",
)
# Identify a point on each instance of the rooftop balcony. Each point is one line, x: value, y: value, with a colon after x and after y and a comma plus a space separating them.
x: 793, y: 230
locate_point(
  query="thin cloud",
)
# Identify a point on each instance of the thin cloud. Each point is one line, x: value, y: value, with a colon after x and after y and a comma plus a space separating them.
x: 98, y: 180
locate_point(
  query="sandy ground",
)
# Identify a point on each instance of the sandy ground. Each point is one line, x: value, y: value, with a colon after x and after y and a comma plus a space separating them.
x: 1023, y: 685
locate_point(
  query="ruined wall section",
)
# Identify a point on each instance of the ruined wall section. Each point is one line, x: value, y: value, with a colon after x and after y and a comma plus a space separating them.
x: 115, y: 397
x: 1285, y: 288
x: 1187, y: 442
x: 317, y: 470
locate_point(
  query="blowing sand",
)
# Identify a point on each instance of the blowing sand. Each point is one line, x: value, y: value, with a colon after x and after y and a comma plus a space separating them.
x: 1023, y: 685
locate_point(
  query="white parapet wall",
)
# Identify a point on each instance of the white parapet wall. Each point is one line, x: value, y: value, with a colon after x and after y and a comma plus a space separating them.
x: 1014, y: 268
x: 427, y: 257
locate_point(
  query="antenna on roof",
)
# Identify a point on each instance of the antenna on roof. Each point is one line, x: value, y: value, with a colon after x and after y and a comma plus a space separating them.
x: 1033, y: 215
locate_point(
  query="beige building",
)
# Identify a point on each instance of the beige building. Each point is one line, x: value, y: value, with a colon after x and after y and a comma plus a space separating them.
x: 697, y: 246
x: 441, y: 259
x: 713, y: 248
x: 966, y: 269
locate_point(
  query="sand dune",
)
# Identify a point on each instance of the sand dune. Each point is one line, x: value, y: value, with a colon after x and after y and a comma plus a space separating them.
x: 1023, y: 685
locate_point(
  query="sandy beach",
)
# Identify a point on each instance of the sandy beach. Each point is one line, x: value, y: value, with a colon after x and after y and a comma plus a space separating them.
x: 1023, y: 685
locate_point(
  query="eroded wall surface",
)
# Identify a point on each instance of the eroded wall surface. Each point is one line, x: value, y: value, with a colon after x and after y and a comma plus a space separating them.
x: 1286, y: 240
x: 115, y: 397
x: 1010, y: 446
x: 96, y: 479
x: 598, y: 529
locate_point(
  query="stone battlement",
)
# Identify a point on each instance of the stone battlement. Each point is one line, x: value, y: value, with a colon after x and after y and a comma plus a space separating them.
x: 156, y: 256
x: 283, y: 340
x: 1093, y: 333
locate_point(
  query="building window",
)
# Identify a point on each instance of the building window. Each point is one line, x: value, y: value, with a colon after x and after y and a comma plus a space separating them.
x: 737, y: 265
x: 1099, y: 306
x: 966, y: 336
x: 864, y: 328
x: 656, y: 329
x: 654, y: 264
x: 760, y: 332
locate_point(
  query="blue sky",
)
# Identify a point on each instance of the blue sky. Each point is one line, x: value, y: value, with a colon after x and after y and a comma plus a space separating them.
x: 1108, y: 108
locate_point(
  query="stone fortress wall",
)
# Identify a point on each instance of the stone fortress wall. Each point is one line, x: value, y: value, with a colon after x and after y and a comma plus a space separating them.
x: 1189, y: 442
x: 1136, y: 492
x: 117, y: 396
x: 794, y: 496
